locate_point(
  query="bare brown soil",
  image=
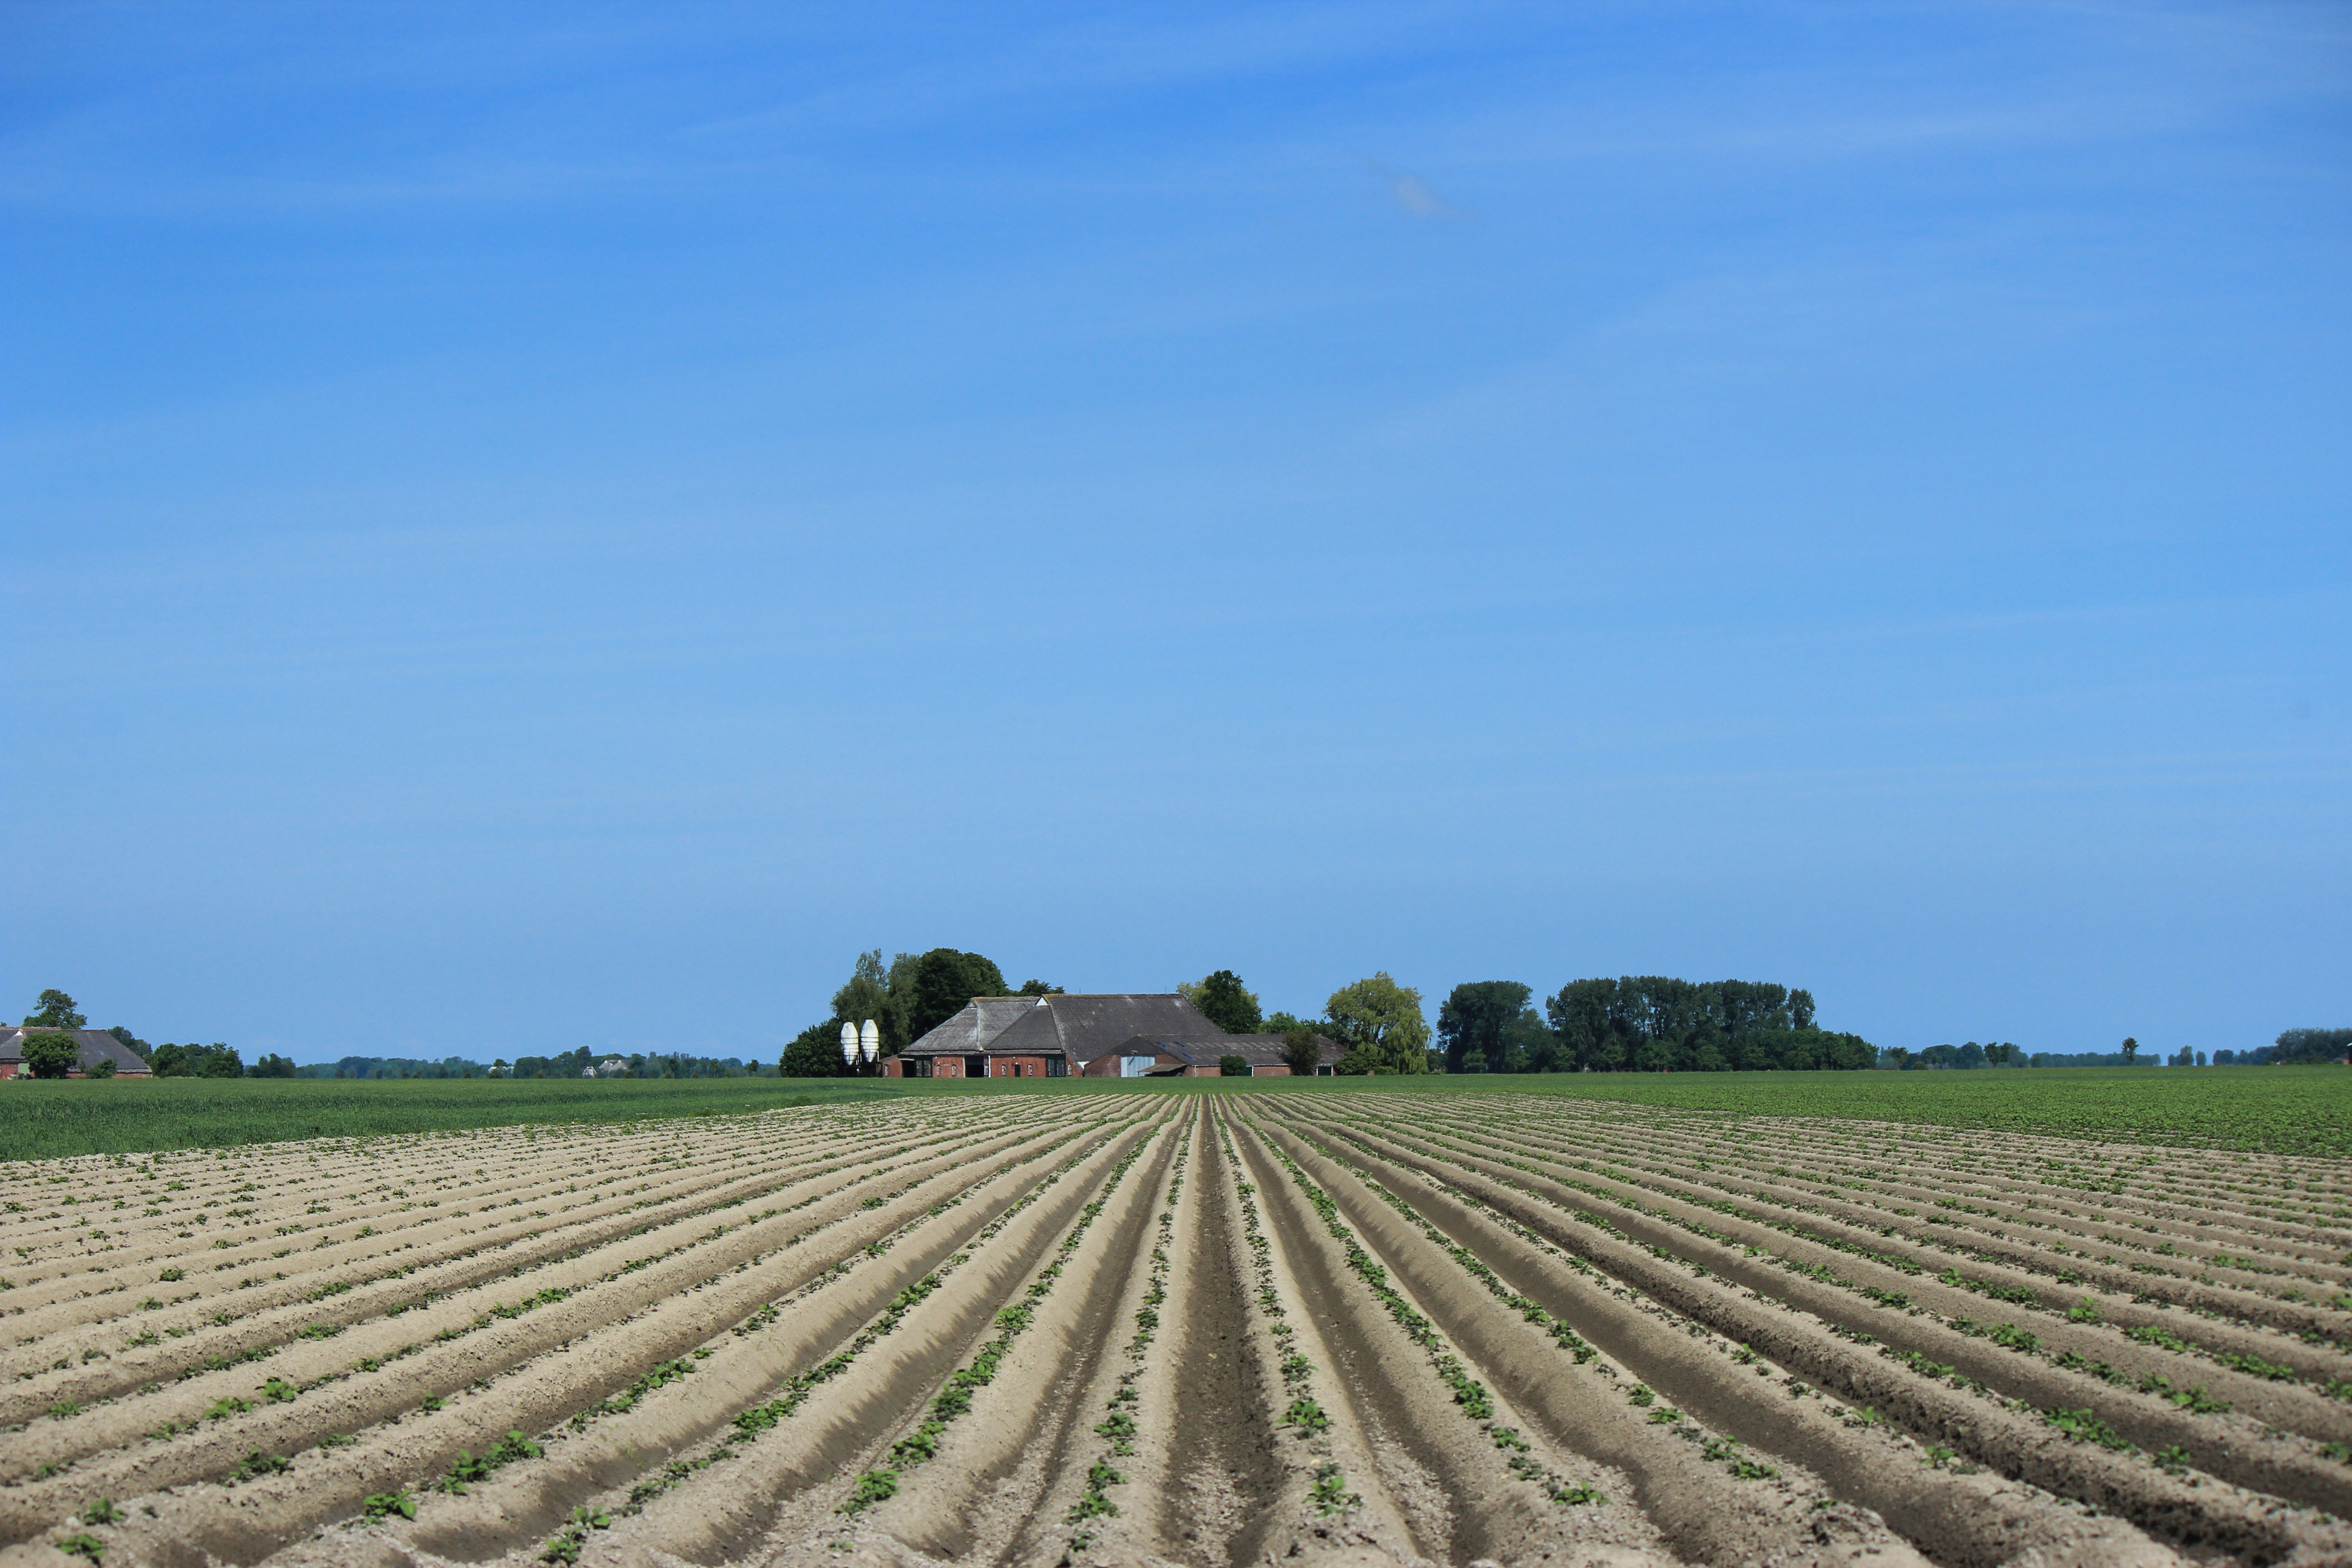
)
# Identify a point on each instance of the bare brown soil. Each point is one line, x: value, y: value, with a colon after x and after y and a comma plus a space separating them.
x: 1294, y: 1327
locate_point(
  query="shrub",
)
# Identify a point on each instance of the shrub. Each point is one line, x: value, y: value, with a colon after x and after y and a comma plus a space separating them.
x: 1302, y: 1051
x: 48, y: 1053
x: 102, y: 1067
x: 1233, y: 1066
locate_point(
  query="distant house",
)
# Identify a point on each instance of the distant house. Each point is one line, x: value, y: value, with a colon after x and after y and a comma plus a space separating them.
x: 95, y: 1046
x: 611, y: 1066
x: 1049, y: 1037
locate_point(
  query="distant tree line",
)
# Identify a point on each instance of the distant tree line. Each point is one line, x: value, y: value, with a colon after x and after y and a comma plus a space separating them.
x: 2293, y: 1046
x: 1647, y: 1023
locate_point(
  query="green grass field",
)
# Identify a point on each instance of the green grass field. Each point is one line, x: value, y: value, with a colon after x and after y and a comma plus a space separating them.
x: 2287, y: 1111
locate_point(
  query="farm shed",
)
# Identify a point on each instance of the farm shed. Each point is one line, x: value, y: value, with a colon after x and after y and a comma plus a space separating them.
x: 95, y: 1046
x: 1049, y: 1037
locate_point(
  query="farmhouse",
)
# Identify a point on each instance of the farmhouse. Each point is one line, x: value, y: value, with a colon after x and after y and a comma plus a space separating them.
x: 95, y: 1046
x: 1106, y: 1035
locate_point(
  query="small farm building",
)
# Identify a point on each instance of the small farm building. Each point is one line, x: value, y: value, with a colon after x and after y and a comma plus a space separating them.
x: 95, y: 1046
x: 1106, y: 1035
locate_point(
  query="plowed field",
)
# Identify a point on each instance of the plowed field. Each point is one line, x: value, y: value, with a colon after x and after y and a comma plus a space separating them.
x: 1213, y: 1329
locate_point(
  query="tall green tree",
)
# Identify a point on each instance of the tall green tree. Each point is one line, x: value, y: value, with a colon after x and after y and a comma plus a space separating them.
x: 1302, y: 1050
x: 1379, y: 1023
x: 2131, y: 1051
x: 1473, y: 1019
x: 816, y: 1052
x: 941, y: 982
x: 57, y: 1012
x: 50, y: 1054
x: 1225, y: 1002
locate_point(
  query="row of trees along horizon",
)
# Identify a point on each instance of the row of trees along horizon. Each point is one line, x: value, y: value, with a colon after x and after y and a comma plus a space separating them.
x: 1634, y: 1024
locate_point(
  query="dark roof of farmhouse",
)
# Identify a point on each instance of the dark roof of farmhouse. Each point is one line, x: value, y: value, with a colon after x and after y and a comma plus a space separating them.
x: 94, y: 1045
x: 1080, y: 1027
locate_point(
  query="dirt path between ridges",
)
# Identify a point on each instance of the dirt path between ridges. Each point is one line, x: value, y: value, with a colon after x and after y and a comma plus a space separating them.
x: 442, y: 1241
x: 1447, y: 1474
x: 2225, y: 1321
x: 694, y: 1288
x: 995, y: 1466
x: 2191, y: 1512
x: 1149, y: 1379
x: 2148, y: 1417
x: 457, y: 1312
x: 371, y: 1307
x: 1220, y: 1447
x: 2032, y: 1213
x: 1762, y: 1143
x: 1959, y: 1519
x: 1306, y: 1362
x: 776, y: 1488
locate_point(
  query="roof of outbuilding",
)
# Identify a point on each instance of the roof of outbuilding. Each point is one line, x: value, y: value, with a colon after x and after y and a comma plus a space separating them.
x: 95, y: 1046
x: 1081, y: 1028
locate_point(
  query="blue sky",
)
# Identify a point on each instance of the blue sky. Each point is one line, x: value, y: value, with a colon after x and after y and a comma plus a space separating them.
x: 529, y: 526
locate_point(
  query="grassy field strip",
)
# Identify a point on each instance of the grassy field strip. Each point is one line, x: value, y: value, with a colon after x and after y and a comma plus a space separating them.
x: 2235, y: 1341
x: 2298, y: 1111
x: 1999, y: 1434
